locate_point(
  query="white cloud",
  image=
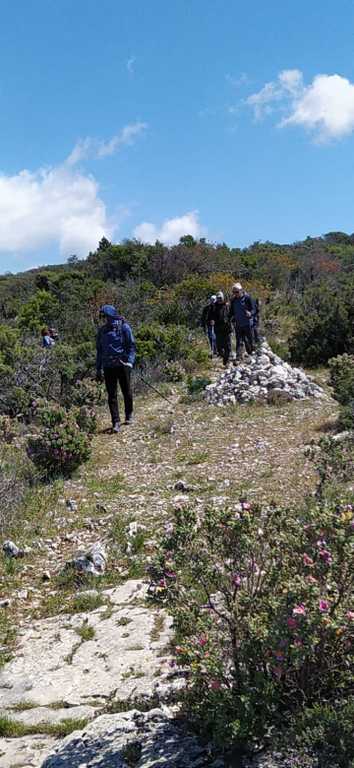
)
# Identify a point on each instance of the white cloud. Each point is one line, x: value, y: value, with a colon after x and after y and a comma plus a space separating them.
x: 56, y: 206
x: 325, y: 107
x: 90, y: 147
x: 171, y: 230
x: 130, y: 65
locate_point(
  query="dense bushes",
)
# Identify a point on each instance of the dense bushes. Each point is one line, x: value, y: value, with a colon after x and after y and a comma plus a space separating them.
x: 324, y: 323
x: 342, y: 381
x: 63, y: 442
x: 262, y: 601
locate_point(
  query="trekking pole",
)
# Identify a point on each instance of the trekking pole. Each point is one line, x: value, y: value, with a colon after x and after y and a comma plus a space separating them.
x: 154, y: 389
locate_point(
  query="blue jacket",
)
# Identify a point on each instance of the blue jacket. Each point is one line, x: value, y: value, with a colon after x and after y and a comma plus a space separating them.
x: 238, y: 311
x: 114, y: 343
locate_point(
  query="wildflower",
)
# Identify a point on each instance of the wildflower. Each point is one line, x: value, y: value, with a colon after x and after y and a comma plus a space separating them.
x: 202, y: 641
x: 307, y: 560
x: 236, y: 579
x: 323, y: 606
x: 326, y: 556
x: 298, y: 643
x: 292, y: 623
x: 299, y: 610
x: 311, y: 580
x: 245, y: 506
x: 215, y: 685
x: 279, y: 655
x: 350, y: 615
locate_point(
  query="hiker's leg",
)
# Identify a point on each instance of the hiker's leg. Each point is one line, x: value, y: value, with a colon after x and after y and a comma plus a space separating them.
x: 124, y: 377
x: 227, y: 348
x: 239, y: 340
x: 111, y: 379
x: 248, y: 337
x: 210, y: 338
x: 219, y: 344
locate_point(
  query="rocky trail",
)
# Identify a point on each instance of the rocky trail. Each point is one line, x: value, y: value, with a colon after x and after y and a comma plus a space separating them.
x: 87, y: 680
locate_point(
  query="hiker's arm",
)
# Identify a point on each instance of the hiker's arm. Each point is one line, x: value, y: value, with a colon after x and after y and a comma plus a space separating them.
x: 130, y: 347
x: 98, y: 354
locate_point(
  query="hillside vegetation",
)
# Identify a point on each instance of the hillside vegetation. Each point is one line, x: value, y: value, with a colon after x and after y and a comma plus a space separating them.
x: 239, y: 519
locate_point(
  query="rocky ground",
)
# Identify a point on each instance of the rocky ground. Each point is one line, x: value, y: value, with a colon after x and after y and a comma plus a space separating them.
x: 83, y: 663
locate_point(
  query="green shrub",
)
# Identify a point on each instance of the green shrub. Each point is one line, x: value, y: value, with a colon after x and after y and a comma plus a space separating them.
x: 196, y: 384
x: 342, y: 378
x: 60, y: 449
x: 173, y: 371
x: 327, y: 731
x: 86, y: 419
x: 262, y: 601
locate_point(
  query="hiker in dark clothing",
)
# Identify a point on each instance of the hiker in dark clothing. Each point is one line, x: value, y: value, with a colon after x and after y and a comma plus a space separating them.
x: 241, y: 314
x: 116, y: 356
x: 220, y: 321
x: 207, y: 326
x: 255, y: 321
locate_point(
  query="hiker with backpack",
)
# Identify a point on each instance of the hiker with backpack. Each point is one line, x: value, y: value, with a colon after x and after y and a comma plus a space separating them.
x: 241, y: 316
x: 115, y: 347
x: 207, y: 326
x: 220, y: 322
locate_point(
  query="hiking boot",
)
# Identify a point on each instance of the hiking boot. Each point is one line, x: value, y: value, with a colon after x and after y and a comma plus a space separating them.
x: 116, y: 428
x: 129, y: 419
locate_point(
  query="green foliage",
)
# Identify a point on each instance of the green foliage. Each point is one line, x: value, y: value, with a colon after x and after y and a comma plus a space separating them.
x: 262, y: 604
x: 60, y: 448
x: 327, y: 731
x: 342, y: 381
x: 41, y: 310
x: 325, y: 324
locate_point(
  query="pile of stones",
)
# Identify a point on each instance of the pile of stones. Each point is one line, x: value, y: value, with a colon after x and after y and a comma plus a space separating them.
x: 263, y: 377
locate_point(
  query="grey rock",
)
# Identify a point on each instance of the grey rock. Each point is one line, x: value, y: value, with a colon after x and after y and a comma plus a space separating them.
x: 121, y: 660
x: 156, y: 737
x: 12, y: 550
x: 72, y: 505
x: 92, y: 562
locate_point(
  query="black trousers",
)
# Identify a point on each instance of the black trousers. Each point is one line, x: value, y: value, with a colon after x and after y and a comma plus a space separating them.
x: 121, y: 374
x: 223, y: 345
x: 244, y: 336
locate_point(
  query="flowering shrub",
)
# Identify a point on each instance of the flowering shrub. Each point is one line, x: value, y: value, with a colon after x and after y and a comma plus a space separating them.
x: 86, y: 392
x: 173, y: 371
x: 264, y: 612
x: 86, y: 419
x: 59, y: 449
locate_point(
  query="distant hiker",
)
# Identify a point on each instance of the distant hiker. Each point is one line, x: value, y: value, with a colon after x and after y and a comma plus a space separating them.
x: 47, y: 340
x: 241, y: 315
x: 220, y: 321
x: 53, y: 333
x: 255, y: 321
x: 116, y: 356
x: 207, y: 326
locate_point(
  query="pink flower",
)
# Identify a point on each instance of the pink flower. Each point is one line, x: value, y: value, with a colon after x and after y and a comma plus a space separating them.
x: 236, y: 579
x: 202, y: 641
x: 292, y: 623
x: 298, y: 643
x: 350, y: 615
x: 279, y: 655
x: 299, y: 610
x: 215, y: 685
x: 311, y: 580
x: 326, y: 556
x: 307, y: 561
x: 245, y: 505
x: 323, y: 606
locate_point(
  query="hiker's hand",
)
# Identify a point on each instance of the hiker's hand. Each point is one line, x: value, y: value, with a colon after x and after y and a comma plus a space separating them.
x: 128, y: 365
x: 248, y: 313
x: 99, y: 377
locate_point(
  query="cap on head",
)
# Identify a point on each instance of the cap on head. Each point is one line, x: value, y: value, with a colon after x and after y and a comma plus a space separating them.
x: 237, y: 287
x: 220, y: 295
x: 213, y: 298
x: 108, y: 311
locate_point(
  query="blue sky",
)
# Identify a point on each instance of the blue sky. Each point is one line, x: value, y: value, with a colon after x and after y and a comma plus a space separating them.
x: 231, y: 120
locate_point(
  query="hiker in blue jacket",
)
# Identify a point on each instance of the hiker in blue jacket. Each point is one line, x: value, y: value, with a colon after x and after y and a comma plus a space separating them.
x: 241, y: 316
x: 116, y: 356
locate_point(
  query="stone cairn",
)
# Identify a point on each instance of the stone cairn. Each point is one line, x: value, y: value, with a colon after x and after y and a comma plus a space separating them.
x: 261, y: 377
